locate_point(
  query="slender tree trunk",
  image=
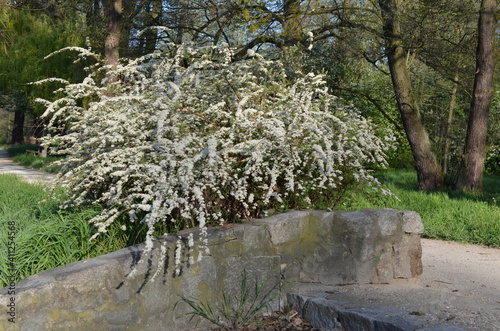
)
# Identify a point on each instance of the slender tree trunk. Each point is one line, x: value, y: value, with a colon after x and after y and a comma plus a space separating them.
x: 292, y: 23
x: 451, y: 111
x: 126, y: 25
x: 428, y: 171
x: 449, y: 121
x: 112, y: 42
x: 18, y: 128
x: 182, y: 20
x: 153, y: 17
x: 471, y: 174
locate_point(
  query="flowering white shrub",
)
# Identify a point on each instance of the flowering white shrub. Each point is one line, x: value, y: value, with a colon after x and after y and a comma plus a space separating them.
x: 186, y: 137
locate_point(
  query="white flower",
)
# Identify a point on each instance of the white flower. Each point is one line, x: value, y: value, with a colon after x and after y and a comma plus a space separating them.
x: 191, y: 240
x: 178, y: 251
x: 212, y: 141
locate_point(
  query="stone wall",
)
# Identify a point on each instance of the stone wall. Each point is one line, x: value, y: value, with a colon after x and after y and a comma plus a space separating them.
x: 339, y: 247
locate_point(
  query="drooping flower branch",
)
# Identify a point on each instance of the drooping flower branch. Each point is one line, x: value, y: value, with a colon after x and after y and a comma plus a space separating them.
x: 188, y: 138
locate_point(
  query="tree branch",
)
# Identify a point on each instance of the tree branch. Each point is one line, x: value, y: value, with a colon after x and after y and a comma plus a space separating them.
x: 375, y: 103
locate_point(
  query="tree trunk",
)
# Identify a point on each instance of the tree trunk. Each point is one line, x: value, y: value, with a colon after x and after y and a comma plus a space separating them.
x: 292, y: 23
x: 449, y: 122
x: 182, y: 21
x: 153, y: 17
x: 112, y: 42
x: 18, y: 128
x: 428, y: 171
x: 126, y: 26
x: 471, y: 175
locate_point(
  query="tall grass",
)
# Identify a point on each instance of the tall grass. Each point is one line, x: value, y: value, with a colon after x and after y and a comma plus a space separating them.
x: 46, y: 236
x: 449, y: 215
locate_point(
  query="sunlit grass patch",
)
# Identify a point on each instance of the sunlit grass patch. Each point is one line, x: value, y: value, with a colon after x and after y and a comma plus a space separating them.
x: 446, y: 214
x: 47, y: 237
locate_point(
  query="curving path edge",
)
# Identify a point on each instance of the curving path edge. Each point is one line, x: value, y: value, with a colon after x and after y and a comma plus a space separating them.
x: 7, y: 166
x: 459, y: 290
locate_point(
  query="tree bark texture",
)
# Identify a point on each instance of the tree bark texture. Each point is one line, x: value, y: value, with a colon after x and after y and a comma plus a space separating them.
x: 153, y: 17
x: 471, y: 174
x: 447, y: 129
x: 182, y: 20
x: 112, y: 42
x: 292, y: 23
x: 428, y: 170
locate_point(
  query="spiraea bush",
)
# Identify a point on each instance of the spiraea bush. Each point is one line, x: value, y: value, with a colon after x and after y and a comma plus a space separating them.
x: 186, y: 137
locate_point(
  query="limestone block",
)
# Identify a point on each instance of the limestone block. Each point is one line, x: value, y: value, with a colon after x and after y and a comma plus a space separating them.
x: 412, y: 223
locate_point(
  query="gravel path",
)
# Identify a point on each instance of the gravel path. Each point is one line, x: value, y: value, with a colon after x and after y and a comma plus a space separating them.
x: 7, y: 166
x: 460, y: 287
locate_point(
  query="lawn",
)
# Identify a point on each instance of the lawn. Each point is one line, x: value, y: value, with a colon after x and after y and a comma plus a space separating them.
x: 446, y: 214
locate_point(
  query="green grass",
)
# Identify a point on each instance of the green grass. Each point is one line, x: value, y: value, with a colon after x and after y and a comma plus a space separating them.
x: 30, y: 160
x: 47, y: 237
x: 446, y: 214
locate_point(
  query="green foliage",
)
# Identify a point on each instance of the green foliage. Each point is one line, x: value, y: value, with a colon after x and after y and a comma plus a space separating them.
x: 27, y: 38
x: 402, y: 157
x: 449, y: 215
x: 30, y: 160
x: 364, y: 86
x: 492, y: 161
x: 236, y: 311
x: 47, y: 237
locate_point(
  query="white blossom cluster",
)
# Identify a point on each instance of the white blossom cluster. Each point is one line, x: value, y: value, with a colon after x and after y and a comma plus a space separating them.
x: 187, y: 137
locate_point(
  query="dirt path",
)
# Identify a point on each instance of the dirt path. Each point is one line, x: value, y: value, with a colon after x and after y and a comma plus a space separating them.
x: 7, y: 166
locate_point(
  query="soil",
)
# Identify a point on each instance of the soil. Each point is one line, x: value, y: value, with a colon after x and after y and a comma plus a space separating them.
x: 275, y: 321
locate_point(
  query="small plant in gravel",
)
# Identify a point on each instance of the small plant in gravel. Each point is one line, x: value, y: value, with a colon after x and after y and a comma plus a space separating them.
x: 235, y: 311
